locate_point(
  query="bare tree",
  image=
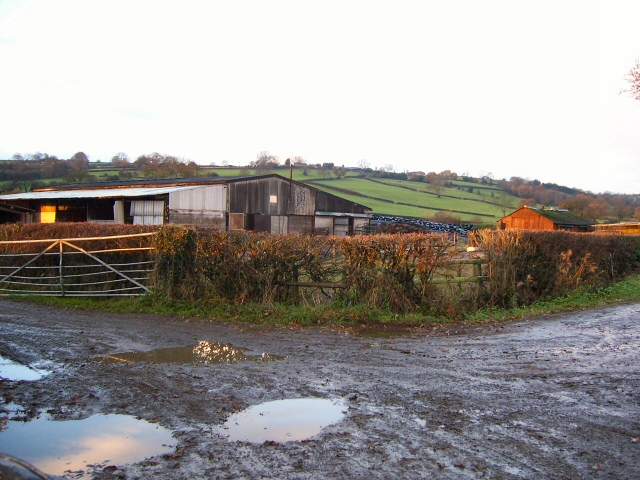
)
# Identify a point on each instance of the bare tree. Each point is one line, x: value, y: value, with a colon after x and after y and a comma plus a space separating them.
x: 633, y: 79
x: 120, y: 160
x: 363, y: 164
x: 265, y: 162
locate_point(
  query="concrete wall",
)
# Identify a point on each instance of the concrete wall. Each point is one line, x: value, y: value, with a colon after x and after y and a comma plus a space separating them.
x: 324, y: 222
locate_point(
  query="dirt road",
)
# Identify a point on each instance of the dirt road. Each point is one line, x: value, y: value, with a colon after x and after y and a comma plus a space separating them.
x: 551, y: 397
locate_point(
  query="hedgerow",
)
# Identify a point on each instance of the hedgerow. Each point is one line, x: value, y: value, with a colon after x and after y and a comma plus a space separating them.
x: 400, y: 272
x: 526, y: 266
x: 382, y: 271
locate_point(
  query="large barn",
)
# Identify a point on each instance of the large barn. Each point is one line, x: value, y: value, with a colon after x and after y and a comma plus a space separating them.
x: 269, y: 203
x: 544, y: 218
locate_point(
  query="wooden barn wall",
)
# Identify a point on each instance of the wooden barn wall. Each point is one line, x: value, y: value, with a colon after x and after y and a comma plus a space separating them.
x: 300, y: 223
x: 237, y: 221
x: 341, y: 226
x: 331, y: 203
x: 262, y: 223
x: 528, y: 220
x: 255, y: 196
x: 619, y: 229
x: 279, y: 224
x: 303, y: 200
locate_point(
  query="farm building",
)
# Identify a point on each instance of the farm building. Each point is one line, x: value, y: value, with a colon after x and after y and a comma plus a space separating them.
x: 270, y: 203
x: 630, y: 228
x: 544, y: 218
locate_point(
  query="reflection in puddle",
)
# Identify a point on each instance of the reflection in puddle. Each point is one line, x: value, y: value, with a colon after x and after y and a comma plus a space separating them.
x: 56, y: 447
x: 283, y: 420
x: 203, y: 352
x: 10, y: 370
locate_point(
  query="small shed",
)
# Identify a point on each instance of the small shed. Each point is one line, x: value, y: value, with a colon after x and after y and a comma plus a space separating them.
x: 627, y: 228
x: 269, y: 203
x: 544, y: 218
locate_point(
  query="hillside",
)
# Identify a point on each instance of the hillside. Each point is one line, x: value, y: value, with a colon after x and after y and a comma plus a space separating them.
x: 481, y: 201
x: 406, y: 198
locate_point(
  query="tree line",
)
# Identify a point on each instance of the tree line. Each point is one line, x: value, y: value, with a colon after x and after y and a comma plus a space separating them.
x: 25, y: 172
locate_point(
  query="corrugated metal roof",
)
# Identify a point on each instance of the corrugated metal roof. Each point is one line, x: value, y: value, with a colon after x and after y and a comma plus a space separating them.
x: 5, y: 207
x: 342, y: 214
x: 96, y: 193
x: 155, y: 182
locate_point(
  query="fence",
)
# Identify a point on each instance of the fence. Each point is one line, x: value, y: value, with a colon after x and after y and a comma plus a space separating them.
x: 116, y: 266
x: 456, y: 272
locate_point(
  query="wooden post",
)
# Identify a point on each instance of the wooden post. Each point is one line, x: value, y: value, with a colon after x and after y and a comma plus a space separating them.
x: 60, y: 270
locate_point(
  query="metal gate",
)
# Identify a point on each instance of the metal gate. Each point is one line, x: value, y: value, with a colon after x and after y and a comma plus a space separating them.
x: 119, y: 266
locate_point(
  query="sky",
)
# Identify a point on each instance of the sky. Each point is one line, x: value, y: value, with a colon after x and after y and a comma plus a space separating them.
x: 500, y: 88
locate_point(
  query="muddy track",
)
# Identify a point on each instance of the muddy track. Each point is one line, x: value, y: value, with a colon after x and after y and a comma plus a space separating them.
x: 551, y: 397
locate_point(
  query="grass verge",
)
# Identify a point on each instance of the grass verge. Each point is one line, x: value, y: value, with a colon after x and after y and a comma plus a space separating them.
x: 336, y: 315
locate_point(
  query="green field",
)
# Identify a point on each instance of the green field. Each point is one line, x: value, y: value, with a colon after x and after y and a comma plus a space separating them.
x: 405, y: 198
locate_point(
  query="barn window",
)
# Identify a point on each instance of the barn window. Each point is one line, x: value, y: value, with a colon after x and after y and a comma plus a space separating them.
x: 273, y: 199
x: 48, y: 214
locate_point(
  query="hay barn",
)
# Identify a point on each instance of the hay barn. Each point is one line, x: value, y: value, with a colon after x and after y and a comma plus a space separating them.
x: 544, y: 218
x: 269, y: 203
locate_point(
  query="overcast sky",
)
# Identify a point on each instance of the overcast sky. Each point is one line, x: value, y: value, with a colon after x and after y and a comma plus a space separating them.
x: 507, y: 88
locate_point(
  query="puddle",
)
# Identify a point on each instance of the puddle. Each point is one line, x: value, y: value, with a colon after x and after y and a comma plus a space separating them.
x: 82, y: 446
x: 203, y: 352
x: 385, y: 331
x: 283, y: 420
x: 10, y: 370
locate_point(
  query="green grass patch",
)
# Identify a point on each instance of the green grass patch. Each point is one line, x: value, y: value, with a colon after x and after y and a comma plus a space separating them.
x: 340, y: 315
x: 581, y: 299
x: 398, y: 197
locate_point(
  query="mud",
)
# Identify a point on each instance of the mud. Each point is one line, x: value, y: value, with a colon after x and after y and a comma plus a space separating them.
x: 553, y: 397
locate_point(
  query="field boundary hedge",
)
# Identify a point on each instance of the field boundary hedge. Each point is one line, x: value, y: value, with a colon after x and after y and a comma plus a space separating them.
x: 399, y: 272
